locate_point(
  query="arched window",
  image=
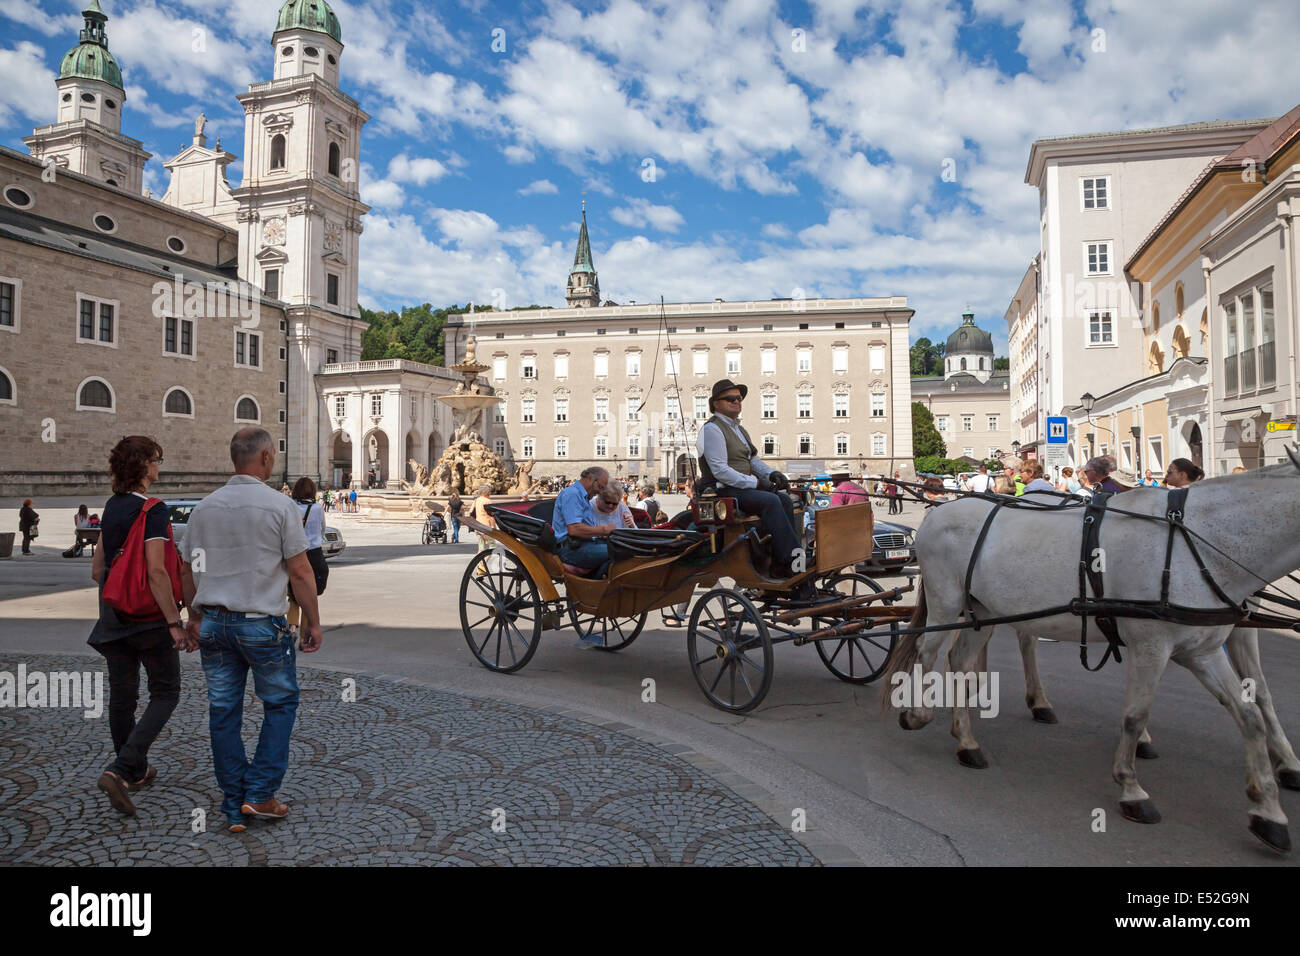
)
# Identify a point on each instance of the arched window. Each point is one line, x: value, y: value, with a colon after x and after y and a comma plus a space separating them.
x: 277, y: 151
x: 1180, y: 300
x: 1182, y: 345
x: 6, y: 388
x: 246, y: 410
x: 94, y: 393
x: 1155, y: 359
x: 981, y: 363
x: 334, y: 159
x: 1205, y: 328
x: 178, y: 402
x: 963, y: 365
x: 1155, y: 317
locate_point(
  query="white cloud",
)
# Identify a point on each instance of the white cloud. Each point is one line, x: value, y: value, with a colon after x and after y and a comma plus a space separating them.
x: 179, y: 54
x: 641, y: 214
x: 28, y: 87
x: 31, y: 15
x: 518, y: 154
x: 538, y: 187
x: 422, y: 170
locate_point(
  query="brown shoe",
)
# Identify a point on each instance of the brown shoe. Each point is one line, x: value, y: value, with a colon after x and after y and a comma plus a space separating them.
x: 271, y: 809
x: 144, y: 781
x: 238, y: 827
x: 115, y: 787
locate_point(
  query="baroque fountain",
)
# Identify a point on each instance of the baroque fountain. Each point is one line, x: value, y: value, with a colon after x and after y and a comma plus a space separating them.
x: 468, y: 463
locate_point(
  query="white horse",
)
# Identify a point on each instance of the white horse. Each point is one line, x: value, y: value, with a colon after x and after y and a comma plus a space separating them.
x: 1253, y: 518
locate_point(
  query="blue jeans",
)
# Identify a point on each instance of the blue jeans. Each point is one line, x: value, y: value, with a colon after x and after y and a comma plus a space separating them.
x: 231, y: 644
x: 586, y: 553
x: 455, y: 529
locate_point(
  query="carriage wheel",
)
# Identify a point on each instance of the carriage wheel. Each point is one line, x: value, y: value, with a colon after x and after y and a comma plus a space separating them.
x: 618, y: 632
x: 500, y: 612
x: 852, y: 658
x: 427, y: 537
x: 730, y: 651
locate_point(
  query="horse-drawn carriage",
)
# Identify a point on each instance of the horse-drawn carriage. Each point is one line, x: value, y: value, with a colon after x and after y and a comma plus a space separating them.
x: 511, y: 594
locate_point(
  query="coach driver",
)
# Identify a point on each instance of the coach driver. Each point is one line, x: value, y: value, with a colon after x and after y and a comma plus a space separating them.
x: 729, y: 461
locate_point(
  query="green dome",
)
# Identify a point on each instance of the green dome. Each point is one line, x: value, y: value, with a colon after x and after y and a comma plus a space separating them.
x: 309, y: 15
x: 969, y: 337
x: 90, y: 61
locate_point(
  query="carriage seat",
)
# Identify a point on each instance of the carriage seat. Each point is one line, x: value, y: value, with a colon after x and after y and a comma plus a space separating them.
x: 580, y: 572
x: 652, y: 542
x: 528, y: 528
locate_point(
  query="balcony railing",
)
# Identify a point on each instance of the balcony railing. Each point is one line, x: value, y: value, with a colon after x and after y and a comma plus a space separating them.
x: 1247, y: 370
x: 1230, y: 376
x: 1267, y: 364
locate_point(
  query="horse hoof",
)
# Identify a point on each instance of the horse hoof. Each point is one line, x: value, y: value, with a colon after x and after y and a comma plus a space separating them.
x: 1146, y: 752
x: 1139, y: 811
x: 1289, y: 779
x: 1272, y: 835
x: 908, y: 721
x: 1044, y: 715
x: 973, y: 758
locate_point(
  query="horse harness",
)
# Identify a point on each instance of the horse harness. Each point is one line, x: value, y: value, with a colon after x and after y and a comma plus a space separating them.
x: 1107, y: 611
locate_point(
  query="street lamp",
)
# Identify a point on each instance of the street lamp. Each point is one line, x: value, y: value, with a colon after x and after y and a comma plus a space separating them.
x: 1015, y: 449
x: 1087, y: 400
x: 1136, y: 432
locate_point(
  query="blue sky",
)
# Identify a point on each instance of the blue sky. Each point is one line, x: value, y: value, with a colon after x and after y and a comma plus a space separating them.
x: 795, y: 146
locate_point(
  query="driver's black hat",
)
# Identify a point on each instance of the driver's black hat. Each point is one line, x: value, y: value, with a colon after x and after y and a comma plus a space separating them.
x: 721, y: 386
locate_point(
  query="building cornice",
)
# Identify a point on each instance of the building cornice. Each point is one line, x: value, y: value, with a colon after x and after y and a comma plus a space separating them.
x: 259, y: 93
x: 1225, y: 135
x: 890, y: 307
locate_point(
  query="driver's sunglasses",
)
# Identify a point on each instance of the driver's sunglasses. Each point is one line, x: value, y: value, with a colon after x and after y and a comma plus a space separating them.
x: 731, y: 398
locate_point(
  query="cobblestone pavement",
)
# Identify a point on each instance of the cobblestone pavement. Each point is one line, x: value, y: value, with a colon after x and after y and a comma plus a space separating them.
x: 403, y: 775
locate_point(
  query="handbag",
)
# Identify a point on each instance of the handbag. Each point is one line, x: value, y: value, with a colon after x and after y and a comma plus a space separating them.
x: 126, y: 589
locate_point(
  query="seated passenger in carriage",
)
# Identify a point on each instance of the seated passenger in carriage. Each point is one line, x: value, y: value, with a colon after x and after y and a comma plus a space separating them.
x: 578, y: 527
x: 731, y: 466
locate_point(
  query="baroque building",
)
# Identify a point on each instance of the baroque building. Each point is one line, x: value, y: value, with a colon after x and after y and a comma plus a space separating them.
x: 627, y: 386
x: 971, y: 403
x: 215, y: 307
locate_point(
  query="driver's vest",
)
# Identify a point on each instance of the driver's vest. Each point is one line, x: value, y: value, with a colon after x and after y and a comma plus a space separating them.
x: 739, y: 451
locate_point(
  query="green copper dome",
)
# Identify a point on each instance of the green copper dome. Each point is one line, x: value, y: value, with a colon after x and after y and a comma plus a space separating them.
x: 90, y: 59
x: 969, y: 337
x: 309, y: 15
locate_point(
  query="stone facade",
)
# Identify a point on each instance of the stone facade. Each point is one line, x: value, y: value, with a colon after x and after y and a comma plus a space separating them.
x: 54, y: 258
x: 827, y: 378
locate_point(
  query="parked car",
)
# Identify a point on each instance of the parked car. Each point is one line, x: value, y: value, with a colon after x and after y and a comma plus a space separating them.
x: 180, y: 509
x: 893, y: 545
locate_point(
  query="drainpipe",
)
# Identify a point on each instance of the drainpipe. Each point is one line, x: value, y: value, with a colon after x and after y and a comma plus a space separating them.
x: 287, y: 348
x: 1211, y: 312
x: 1288, y: 247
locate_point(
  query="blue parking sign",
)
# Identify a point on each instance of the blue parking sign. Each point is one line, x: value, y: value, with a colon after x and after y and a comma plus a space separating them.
x: 1058, y: 431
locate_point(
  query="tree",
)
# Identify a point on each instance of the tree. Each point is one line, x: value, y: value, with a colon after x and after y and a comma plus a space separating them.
x: 926, y: 357
x: 415, y: 333
x: 1002, y: 365
x: 926, y: 439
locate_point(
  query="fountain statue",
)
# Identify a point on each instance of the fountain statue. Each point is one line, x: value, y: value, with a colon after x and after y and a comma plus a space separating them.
x: 468, y: 463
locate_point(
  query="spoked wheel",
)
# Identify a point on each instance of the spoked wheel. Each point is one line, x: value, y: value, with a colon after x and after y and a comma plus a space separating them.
x: 427, y: 537
x: 857, y: 659
x: 730, y: 651
x: 617, y: 632
x: 500, y: 612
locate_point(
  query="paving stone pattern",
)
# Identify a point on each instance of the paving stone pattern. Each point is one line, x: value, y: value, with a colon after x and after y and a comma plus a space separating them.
x: 405, y: 775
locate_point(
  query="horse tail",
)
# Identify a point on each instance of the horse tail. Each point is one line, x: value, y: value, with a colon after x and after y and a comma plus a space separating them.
x: 907, y: 650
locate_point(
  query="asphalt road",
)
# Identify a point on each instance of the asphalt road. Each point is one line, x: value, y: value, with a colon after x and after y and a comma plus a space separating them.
x: 817, y: 744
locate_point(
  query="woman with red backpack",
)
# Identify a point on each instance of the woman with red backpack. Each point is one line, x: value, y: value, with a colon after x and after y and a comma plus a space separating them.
x: 138, y: 570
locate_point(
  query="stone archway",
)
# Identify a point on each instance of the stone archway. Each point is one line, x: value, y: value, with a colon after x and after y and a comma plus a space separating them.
x: 409, y: 453
x: 374, y: 458
x: 435, y: 450
x: 340, y: 459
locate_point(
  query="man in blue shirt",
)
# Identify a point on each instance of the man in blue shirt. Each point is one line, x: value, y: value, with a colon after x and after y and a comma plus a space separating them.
x: 577, y: 526
x: 729, y: 461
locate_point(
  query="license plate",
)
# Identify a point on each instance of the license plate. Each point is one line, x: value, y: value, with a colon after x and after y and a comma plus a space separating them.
x: 898, y: 553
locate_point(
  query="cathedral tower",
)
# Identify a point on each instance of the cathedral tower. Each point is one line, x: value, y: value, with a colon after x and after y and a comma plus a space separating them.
x: 87, y: 136
x: 300, y: 209
x: 584, y: 286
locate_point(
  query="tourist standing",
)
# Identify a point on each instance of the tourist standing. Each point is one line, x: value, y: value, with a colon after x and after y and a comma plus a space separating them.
x: 1031, y: 476
x: 28, y: 519
x: 352, y: 500
x: 1182, y: 473
x: 127, y: 643
x: 1098, y: 472
x: 454, y: 508
x: 253, y: 545
x: 1148, y: 481
x: 980, y: 482
x: 313, y: 525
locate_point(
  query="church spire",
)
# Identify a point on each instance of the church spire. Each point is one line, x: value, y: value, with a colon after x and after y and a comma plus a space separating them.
x: 584, y: 286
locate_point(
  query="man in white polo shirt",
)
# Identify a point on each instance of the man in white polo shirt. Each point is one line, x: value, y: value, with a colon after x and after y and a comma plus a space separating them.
x: 243, y: 544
